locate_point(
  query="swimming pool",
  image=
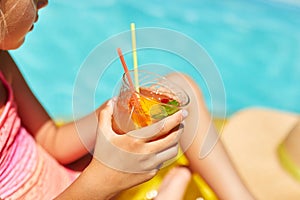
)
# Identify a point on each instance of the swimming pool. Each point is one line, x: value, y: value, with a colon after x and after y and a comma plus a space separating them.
x: 255, y: 45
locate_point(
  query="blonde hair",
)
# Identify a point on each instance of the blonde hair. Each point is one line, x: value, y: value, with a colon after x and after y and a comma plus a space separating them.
x: 3, y: 25
x: 3, y: 22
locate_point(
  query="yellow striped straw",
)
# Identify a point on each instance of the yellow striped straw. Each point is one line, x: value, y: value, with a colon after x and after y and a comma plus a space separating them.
x: 135, y: 63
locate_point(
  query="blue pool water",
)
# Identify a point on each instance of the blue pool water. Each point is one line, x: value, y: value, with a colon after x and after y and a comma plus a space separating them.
x: 255, y: 45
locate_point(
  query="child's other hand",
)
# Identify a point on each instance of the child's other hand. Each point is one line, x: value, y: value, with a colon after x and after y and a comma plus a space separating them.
x: 174, y: 184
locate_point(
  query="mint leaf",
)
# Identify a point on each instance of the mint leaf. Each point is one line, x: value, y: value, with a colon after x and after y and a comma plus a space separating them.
x: 173, y: 108
x: 174, y: 103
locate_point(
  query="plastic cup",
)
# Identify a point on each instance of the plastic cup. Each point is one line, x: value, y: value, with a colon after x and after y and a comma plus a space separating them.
x: 156, y: 99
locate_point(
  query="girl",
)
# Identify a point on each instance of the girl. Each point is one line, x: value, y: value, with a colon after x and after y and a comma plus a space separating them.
x: 33, y: 149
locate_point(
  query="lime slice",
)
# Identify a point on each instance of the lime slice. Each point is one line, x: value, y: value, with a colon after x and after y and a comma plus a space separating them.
x: 173, y: 108
x: 158, y: 112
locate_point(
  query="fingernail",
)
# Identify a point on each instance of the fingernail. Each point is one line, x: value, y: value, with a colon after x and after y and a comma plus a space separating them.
x: 184, y: 113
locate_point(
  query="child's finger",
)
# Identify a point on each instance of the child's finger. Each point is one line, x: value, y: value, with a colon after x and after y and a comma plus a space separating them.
x: 166, y: 142
x: 160, y: 128
x: 105, y: 115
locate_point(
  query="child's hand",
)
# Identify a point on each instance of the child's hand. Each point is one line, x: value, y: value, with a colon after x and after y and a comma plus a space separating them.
x: 174, y: 184
x: 135, y: 157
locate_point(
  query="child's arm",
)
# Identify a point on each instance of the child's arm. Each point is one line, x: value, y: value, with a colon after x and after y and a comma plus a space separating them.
x: 122, y: 161
x: 62, y: 142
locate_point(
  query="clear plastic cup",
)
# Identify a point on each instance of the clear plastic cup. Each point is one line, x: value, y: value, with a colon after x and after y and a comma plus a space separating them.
x: 156, y: 98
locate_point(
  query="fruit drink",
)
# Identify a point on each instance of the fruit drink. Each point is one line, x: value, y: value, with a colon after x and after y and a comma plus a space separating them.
x: 149, y: 106
x: 156, y: 98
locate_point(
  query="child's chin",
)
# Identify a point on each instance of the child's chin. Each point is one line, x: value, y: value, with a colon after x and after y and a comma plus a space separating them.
x: 13, y: 46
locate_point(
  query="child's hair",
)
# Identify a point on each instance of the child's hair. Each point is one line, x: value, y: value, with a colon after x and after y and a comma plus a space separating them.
x: 3, y: 25
x: 4, y: 15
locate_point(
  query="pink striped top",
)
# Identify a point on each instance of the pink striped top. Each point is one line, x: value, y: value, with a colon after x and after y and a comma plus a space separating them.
x: 27, y: 171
